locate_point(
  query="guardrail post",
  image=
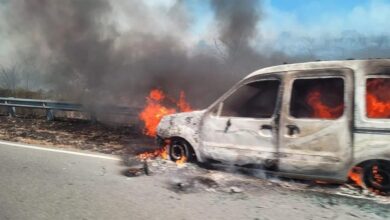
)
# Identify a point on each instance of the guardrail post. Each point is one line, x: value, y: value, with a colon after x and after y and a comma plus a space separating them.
x: 50, y: 116
x: 11, y: 110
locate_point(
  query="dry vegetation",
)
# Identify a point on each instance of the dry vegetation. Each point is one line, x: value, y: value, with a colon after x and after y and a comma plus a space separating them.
x: 75, y: 133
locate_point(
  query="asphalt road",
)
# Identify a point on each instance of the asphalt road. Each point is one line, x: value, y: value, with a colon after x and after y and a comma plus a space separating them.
x: 40, y: 184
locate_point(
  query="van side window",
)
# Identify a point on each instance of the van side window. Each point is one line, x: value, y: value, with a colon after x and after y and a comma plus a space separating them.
x: 378, y: 98
x: 317, y: 98
x: 253, y: 100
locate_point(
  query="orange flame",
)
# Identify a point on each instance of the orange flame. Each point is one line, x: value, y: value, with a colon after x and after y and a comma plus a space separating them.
x: 156, y: 108
x: 181, y: 161
x: 378, y: 98
x: 162, y: 152
x: 182, y: 104
x: 356, y: 176
x: 320, y: 109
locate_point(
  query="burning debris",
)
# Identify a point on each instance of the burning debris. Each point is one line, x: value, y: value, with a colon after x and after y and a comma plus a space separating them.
x: 161, y: 152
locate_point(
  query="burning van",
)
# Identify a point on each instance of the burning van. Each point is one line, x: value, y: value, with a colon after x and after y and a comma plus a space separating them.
x: 326, y: 120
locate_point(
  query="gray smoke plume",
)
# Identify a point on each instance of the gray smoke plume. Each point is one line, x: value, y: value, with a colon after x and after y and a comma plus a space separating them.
x: 97, y: 51
x: 238, y: 24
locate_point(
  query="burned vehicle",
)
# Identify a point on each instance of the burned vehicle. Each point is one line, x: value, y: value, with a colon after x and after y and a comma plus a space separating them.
x: 317, y: 120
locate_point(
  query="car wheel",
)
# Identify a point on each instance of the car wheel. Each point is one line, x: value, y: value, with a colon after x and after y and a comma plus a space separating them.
x: 180, y: 151
x: 376, y: 176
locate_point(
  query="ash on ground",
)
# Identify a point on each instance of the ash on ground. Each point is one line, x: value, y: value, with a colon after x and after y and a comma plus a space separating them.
x: 192, y: 178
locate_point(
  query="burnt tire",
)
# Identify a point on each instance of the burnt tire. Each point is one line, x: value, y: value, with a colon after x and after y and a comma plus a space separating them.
x: 376, y: 175
x: 180, y: 150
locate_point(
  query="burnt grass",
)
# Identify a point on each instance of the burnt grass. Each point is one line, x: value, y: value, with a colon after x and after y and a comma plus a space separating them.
x: 76, y: 133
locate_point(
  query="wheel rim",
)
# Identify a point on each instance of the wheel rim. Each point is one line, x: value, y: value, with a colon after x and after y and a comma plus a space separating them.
x: 177, y: 152
x: 379, y: 177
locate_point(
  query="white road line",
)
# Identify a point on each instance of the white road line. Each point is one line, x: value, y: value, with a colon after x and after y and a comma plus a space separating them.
x: 58, y: 151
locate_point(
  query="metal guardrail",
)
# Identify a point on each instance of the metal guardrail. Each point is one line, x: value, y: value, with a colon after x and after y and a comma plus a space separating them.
x: 42, y: 104
x: 51, y: 106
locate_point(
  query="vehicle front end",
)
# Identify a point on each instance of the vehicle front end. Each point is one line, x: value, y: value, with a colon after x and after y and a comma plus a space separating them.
x: 181, y: 129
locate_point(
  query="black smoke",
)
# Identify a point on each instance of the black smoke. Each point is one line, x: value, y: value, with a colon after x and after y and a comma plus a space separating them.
x: 84, y: 54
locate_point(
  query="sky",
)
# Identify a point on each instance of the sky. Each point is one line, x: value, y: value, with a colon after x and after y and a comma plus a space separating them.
x: 308, y: 10
x: 304, y: 12
x: 330, y: 14
x: 286, y: 23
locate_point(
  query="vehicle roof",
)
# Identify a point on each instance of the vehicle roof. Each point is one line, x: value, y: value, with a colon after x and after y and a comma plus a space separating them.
x: 353, y: 64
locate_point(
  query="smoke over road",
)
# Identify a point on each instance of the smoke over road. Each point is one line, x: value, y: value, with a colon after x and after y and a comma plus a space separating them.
x: 108, y: 51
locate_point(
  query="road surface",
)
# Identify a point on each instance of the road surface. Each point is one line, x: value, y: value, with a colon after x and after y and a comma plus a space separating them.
x: 37, y: 183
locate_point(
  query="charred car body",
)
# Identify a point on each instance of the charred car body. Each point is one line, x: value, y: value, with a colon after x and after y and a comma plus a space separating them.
x: 316, y: 120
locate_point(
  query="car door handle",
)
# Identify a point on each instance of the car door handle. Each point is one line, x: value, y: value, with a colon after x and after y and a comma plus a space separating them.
x: 292, y: 130
x: 227, y: 126
x: 266, y: 127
